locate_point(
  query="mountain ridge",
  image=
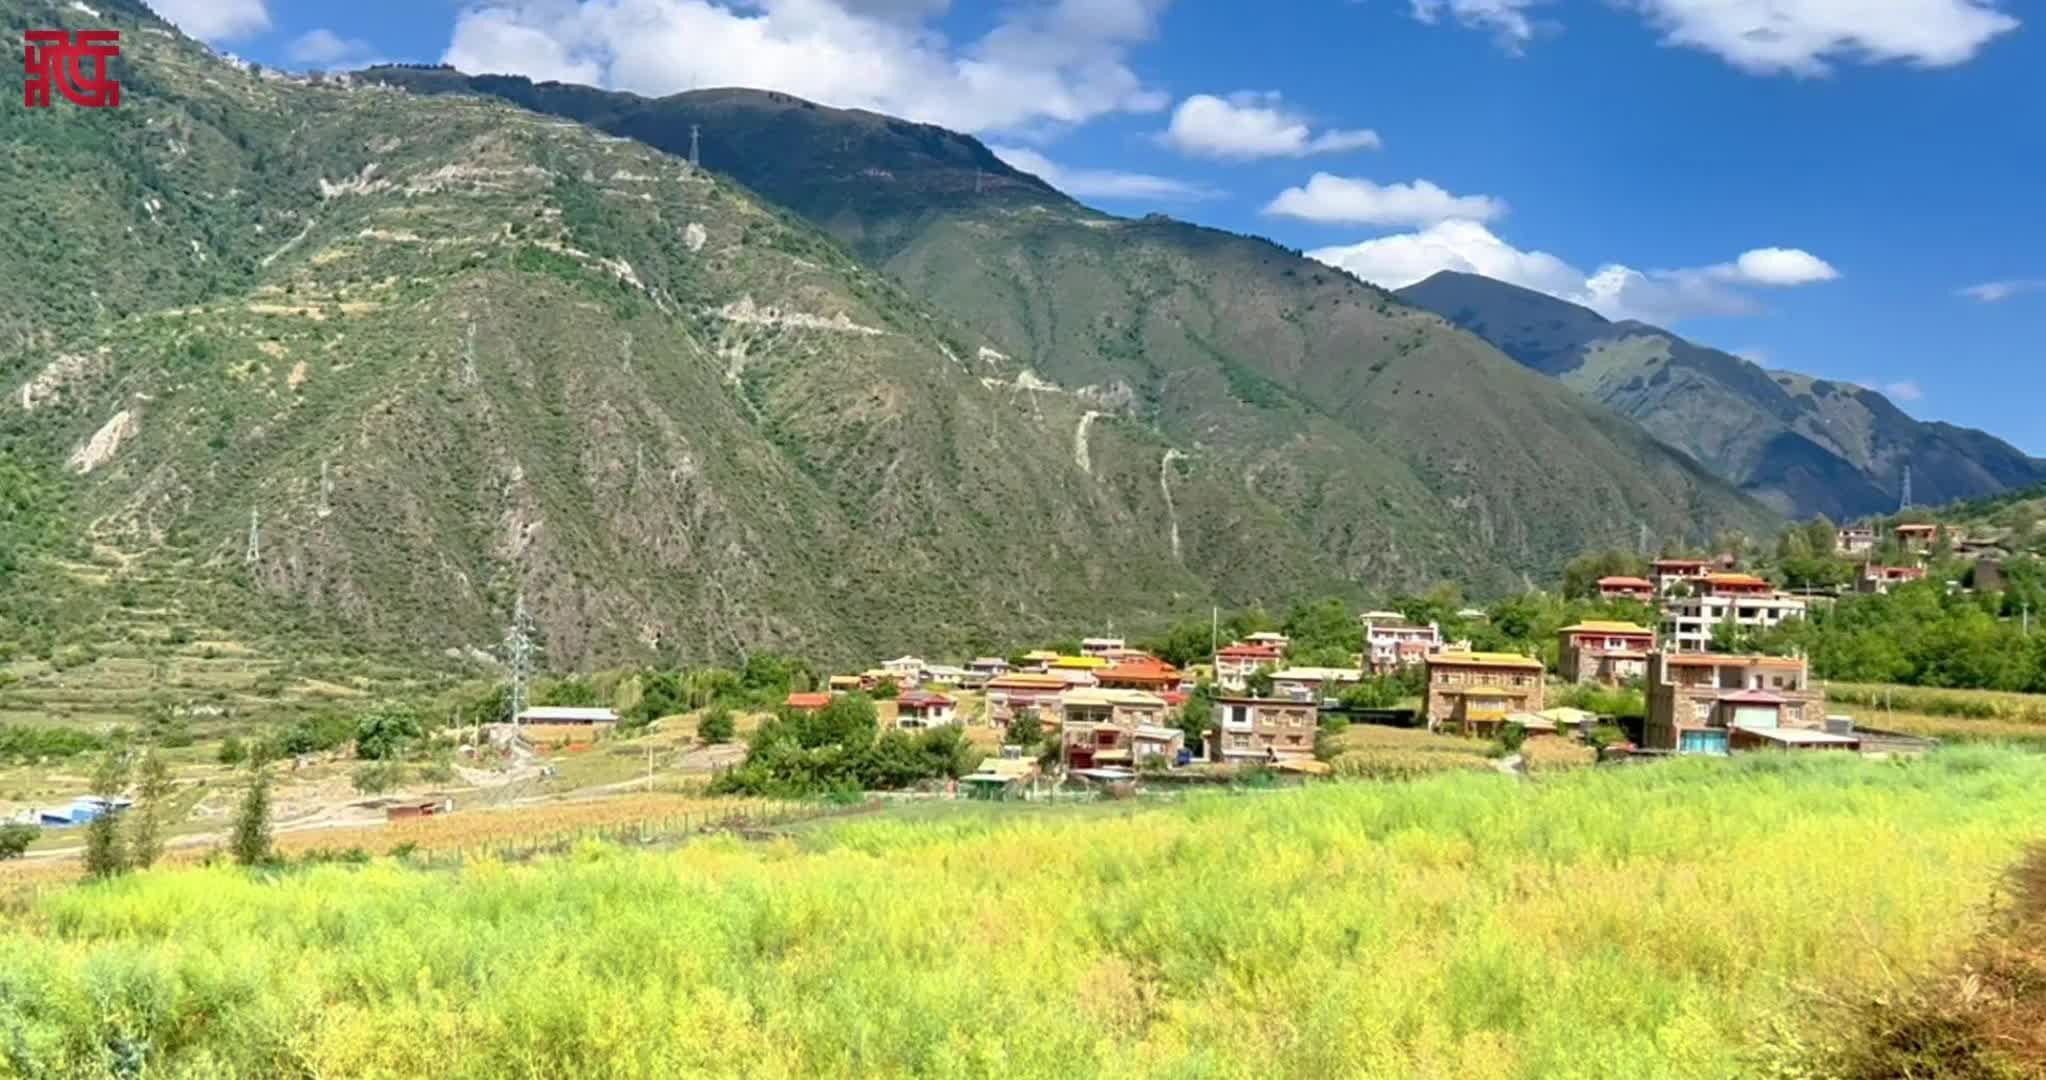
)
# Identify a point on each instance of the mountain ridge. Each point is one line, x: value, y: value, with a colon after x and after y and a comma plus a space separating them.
x: 1804, y: 445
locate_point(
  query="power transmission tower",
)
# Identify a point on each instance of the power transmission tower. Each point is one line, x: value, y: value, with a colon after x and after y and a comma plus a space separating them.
x: 695, y: 147
x: 326, y: 491
x: 1907, y: 490
x: 518, y: 657
x: 255, y: 551
x: 1644, y: 540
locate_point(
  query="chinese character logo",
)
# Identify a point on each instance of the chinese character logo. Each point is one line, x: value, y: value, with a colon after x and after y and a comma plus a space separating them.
x: 56, y: 59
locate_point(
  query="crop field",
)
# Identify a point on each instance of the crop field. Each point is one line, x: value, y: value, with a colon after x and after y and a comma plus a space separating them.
x: 1695, y: 918
x: 480, y: 832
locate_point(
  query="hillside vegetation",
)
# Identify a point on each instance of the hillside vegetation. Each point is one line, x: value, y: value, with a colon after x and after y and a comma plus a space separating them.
x: 1397, y: 450
x: 1806, y: 446
x: 1602, y: 922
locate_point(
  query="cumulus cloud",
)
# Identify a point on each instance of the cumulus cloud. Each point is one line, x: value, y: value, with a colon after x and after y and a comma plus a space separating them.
x: 1994, y: 292
x: 1045, y: 64
x: 1904, y: 390
x: 1766, y: 37
x: 1340, y: 200
x: 1614, y: 290
x: 215, y: 20
x: 325, y: 48
x: 1807, y: 37
x: 1103, y: 183
x: 1246, y: 126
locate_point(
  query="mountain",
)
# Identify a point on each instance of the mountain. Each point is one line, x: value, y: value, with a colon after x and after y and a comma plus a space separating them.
x: 1405, y: 450
x: 1806, y: 446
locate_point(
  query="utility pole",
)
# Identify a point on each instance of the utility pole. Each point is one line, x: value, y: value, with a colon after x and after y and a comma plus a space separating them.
x: 1214, y: 631
x: 695, y: 147
x: 255, y: 551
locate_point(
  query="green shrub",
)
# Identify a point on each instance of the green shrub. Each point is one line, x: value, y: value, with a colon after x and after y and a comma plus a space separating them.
x: 15, y: 839
x: 716, y: 726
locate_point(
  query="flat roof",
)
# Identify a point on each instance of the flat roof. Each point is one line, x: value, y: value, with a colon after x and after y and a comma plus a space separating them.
x: 567, y: 715
x: 1027, y: 680
x: 1730, y: 659
x: 1800, y: 736
x: 1484, y: 659
x: 1607, y: 626
x: 1318, y: 674
x: 1096, y: 696
x: 1630, y: 582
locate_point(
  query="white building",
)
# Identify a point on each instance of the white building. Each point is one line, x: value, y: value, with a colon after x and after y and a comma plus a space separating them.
x: 1391, y: 642
x: 1689, y: 621
x: 1102, y: 646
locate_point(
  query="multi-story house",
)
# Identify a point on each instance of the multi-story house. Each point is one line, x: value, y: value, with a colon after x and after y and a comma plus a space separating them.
x: 1604, y: 652
x: 1917, y: 537
x: 1248, y: 730
x: 1881, y: 579
x: 1710, y: 703
x: 1018, y: 691
x: 1474, y: 692
x: 1855, y: 540
x: 1392, y: 641
x: 907, y: 671
x: 1690, y: 621
x: 1270, y: 639
x: 1235, y: 664
x: 1671, y: 573
x: 1101, y: 646
x: 983, y: 668
x: 1115, y: 727
x: 1620, y: 587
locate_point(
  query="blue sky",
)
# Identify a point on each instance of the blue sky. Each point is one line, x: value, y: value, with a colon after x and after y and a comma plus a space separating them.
x: 1810, y: 185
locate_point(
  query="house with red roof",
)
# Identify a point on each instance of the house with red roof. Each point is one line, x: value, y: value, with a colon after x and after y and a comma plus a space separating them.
x: 918, y: 709
x: 1620, y: 587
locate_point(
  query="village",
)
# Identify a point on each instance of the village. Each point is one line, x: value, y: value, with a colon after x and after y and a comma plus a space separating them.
x: 1115, y: 714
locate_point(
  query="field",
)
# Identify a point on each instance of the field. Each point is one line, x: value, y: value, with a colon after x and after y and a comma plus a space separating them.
x: 1695, y: 918
x: 1952, y: 715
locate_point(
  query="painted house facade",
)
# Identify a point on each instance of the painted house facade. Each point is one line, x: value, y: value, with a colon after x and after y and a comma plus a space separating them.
x: 1917, y: 537
x: 907, y: 671
x: 1017, y: 691
x: 1392, y: 641
x: 1115, y: 727
x: 1102, y: 646
x: 1697, y: 700
x: 1248, y: 730
x: 1879, y: 580
x: 1855, y: 540
x: 918, y: 709
x: 1235, y: 664
x: 1475, y: 692
x: 1313, y: 684
x: 1668, y: 574
x: 1603, y: 651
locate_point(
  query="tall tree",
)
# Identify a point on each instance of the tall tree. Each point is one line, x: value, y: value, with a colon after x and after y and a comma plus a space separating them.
x: 145, y: 832
x: 252, y: 820
x: 105, y: 854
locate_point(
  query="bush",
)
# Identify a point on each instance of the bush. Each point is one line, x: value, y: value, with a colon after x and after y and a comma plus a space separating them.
x: 232, y: 752
x: 385, y: 733
x: 1511, y: 737
x: 716, y: 726
x: 251, y: 842
x: 15, y: 839
x: 378, y: 777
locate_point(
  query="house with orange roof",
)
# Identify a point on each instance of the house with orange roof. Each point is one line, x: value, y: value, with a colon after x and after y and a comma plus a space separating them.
x: 1235, y: 664
x: 1146, y: 673
x: 1603, y: 651
x: 806, y: 703
x: 1621, y: 587
x: 1017, y: 691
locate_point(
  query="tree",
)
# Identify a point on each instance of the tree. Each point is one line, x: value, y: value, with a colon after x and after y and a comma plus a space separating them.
x: 15, y: 839
x: 661, y: 694
x: 716, y: 726
x: 1259, y: 684
x: 1197, y: 716
x: 105, y: 854
x: 252, y: 821
x: 570, y: 693
x: 232, y: 752
x: 145, y: 832
x: 1325, y: 628
x: 1581, y: 574
x: 887, y: 690
x: 1189, y: 641
x: 1025, y: 730
x: 384, y: 733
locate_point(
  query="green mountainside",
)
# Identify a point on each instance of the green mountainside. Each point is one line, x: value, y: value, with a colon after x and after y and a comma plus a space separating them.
x: 1398, y: 447
x: 392, y: 361
x: 1805, y: 446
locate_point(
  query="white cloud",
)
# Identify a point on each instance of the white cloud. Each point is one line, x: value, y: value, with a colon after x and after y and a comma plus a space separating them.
x: 1246, y: 126
x: 1780, y: 266
x: 1767, y: 37
x: 325, y: 48
x: 1047, y: 63
x: 1507, y: 19
x: 1103, y: 183
x: 215, y: 20
x: 1992, y: 292
x: 1807, y: 37
x: 1614, y: 290
x: 1904, y: 390
x: 1341, y: 200
x: 1754, y: 354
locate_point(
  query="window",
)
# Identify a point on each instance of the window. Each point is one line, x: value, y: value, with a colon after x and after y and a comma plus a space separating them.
x: 1240, y: 742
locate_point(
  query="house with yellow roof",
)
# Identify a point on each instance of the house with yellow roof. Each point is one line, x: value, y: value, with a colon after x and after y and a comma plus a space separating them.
x: 1080, y: 663
x: 1019, y: 691
x: 1474, y: 692
x: 1100, y: 727
x: 1603, y: 651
